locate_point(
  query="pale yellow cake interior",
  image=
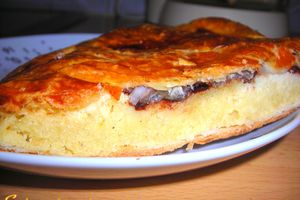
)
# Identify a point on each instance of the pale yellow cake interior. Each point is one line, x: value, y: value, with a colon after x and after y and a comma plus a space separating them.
x: 109, y: 127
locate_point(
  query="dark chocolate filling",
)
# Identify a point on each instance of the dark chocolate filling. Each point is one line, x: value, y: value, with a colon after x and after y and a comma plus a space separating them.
x: 294, y: 69
x: 141, y: 96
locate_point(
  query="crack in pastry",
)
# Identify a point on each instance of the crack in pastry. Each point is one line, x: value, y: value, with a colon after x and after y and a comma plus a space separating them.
x: 142, y: 96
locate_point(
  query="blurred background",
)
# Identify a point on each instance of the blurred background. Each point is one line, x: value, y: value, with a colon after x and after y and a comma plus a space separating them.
x: 275, y: 18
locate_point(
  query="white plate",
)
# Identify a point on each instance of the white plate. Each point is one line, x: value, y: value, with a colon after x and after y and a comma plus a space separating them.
x: 132, y: 167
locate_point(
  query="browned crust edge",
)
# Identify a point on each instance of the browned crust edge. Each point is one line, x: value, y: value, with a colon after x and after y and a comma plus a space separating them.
x: 222, y: 133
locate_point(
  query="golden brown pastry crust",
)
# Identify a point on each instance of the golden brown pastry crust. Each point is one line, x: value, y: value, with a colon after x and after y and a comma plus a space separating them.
x: 148, y: 55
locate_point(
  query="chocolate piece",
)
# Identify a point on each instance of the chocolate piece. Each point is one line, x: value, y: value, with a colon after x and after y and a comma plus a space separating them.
x: 294, y: 69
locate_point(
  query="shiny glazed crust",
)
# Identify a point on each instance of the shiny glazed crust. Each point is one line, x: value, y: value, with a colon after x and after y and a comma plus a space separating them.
x: 149, y: 55
x: 76, y: 101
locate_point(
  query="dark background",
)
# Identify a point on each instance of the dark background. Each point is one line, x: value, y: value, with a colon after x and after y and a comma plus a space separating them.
x: 27, y: 17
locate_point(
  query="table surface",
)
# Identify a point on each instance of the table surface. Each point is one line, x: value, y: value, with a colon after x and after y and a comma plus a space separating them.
x: 272, y: 172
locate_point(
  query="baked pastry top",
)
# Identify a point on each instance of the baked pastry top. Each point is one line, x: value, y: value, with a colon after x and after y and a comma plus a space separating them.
x: 205, y: 52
